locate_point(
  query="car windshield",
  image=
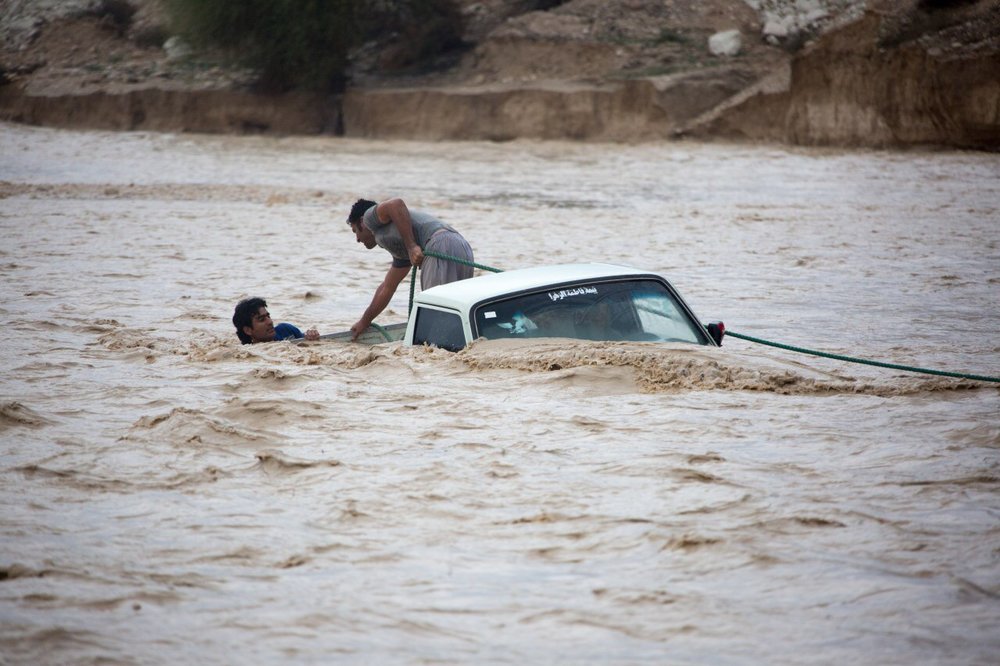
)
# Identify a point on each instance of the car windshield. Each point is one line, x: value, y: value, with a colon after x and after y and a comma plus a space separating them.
x: 637, y: 310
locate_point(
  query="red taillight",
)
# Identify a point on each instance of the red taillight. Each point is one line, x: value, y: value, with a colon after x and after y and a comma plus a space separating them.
x: 716, y: 329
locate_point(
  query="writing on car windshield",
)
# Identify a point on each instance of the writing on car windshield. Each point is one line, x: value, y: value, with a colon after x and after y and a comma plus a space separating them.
x: 565, y: 293
x: 633, y: 310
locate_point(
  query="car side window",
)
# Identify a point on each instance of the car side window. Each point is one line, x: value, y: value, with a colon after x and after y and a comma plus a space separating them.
x: 662, y: 319
x: 439, y: 328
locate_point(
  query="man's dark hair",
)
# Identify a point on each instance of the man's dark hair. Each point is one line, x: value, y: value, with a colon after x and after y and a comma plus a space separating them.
x: 243, y: 316
x: 358, y: 210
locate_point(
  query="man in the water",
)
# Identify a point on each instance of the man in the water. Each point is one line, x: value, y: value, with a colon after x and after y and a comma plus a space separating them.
x: 253, y: 324
x: 405, y: 235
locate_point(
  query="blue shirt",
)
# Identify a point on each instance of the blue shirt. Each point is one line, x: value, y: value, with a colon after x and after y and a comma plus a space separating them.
x: 286, y: 331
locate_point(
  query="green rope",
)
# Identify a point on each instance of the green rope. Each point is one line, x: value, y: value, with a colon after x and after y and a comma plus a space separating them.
x: 413, y: 286
x: 380, y: 329
x: 464, y: 262
x: 852, y: 359
x: 437, y: 255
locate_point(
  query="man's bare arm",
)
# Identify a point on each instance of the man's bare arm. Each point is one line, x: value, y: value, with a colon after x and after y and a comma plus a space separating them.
x: 380, y: 300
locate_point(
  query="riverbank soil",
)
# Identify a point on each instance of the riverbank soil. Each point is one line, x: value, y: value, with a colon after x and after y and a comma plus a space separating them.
x: 815, y: 72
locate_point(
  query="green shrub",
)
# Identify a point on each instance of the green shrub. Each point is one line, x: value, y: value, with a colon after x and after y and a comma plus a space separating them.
x: 291, y: 43
x: 308, y: 43
x: 670, y: 35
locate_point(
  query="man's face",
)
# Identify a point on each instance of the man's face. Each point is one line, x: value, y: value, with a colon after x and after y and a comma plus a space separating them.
x: 261, y: 327
x: 363, y: 234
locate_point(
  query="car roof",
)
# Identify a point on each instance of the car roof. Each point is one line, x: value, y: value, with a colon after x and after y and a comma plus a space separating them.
x: 466, y: 293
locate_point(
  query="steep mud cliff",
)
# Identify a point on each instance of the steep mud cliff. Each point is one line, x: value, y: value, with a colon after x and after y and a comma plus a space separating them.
x: 851, y: 89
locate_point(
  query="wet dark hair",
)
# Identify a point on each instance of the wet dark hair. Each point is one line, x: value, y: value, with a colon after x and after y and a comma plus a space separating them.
x: 358, y: 210
x: 243, y: 316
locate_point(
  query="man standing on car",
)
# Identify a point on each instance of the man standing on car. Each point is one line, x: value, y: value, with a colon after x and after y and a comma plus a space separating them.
x: 405, y: 234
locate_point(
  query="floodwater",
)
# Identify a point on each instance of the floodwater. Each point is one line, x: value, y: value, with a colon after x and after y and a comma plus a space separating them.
x: 169, y: 496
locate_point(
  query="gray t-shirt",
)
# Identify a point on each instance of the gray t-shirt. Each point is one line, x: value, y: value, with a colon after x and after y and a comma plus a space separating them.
x: 387, y: 236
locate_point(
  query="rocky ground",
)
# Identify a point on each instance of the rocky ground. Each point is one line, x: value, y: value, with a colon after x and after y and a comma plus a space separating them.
x: 65, y: 47
x: 80, y: 45
x: 586, y: 69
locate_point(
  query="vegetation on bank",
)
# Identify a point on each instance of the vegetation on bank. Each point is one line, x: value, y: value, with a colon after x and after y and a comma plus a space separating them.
x: 308, y: 44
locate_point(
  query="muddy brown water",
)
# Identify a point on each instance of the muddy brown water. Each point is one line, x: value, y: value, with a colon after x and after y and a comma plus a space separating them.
x: 170, y: 496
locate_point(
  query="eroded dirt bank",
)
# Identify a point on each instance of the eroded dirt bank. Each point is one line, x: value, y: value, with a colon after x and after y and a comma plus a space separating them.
x: 645, y: 109
x: 849, y: 91
x: 156, y: 109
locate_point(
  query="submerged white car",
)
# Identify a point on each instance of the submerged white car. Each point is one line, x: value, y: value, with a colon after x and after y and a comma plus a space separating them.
x: 578, y: 301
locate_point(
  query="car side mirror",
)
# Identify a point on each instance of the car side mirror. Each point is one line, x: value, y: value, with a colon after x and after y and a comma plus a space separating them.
x: 717, y: 330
